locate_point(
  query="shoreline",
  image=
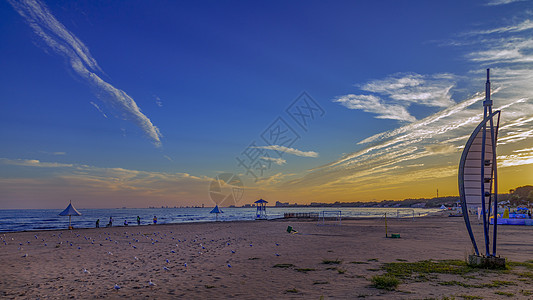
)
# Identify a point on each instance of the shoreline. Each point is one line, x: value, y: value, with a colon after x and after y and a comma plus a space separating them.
x: 133, y: 225
x: 245, y: 259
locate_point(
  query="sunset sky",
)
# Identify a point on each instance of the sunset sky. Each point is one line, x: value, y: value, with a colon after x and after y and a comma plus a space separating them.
x: 143, y: 103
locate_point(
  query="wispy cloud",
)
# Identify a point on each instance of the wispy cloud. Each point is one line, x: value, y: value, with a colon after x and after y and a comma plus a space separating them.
x: 374, y: 104
x: 54, y: 153
x: 33, y: 163
x: 524, y: 25
x: 430, y: 148
x: 158, y: 101
x: 502, y: 2
x: 391, y: 97
x: 63, y: 42
x: 99, y: 109
x: 517, y: 158
x: 289, y: 150
x: 277, y: 161
x: 96, y: 186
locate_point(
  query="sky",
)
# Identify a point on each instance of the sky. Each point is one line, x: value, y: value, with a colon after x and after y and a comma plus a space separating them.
x: 182, y: 103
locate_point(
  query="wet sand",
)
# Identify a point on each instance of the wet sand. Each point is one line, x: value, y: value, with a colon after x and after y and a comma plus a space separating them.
x: 251, y: 260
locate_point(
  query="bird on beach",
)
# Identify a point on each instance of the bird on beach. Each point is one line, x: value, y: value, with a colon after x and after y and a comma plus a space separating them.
x: 116, y: 287
x: 136, y: 258
x: 166, y: 269
x: 86, y: 271
x: 25, y: 255
x: 150, y: 283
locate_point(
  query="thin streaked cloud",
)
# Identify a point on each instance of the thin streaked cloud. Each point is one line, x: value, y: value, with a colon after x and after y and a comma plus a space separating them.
x: 130, y: 187
x: 277, y: 161
x: 33, y: 163
x: 375, y: 105
x: 524, y: 25
x: 63, y: 42
x: 391, y: 97
x: 289, y: 150
x: 416, y: 151
x: 503, y: 2
x: 99, y: 109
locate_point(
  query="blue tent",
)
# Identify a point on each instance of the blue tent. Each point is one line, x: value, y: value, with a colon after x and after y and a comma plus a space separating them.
x: 217, y: 211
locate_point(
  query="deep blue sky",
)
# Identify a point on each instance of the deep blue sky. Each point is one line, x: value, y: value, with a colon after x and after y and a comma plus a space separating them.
x: 213, y: 75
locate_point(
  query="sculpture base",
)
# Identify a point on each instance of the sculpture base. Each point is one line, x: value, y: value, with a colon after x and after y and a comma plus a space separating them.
x: 491, y: 262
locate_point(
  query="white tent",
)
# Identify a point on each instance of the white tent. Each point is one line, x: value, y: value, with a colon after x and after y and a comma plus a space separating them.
x: 70, y: 211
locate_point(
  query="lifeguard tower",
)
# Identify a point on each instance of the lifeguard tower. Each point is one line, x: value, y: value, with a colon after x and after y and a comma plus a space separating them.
x: 261, y: 209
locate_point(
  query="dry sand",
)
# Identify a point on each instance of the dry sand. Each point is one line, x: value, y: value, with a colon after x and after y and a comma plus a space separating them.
x: 236, y: 260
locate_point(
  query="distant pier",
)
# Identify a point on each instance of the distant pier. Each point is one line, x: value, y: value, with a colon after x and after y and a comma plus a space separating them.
x: 310, y: 215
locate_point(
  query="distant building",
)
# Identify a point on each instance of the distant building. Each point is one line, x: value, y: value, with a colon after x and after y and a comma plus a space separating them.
x: 278, y: 204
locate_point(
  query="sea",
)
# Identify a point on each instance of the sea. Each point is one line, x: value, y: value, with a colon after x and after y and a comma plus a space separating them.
x: 12, y: 220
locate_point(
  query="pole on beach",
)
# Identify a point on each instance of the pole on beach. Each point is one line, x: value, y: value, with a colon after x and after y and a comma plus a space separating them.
x: 386, y: 233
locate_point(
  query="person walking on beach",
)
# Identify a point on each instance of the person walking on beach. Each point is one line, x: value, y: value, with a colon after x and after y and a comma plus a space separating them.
x: 98, y: 223
x: 110, y: 222
x: 155, y: 220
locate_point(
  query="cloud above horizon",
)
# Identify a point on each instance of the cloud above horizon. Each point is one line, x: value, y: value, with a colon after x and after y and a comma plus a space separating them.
x: 289, y: 150
x: 391, y: 97
x: 63, y: 42
x: 434, y: 143
x: 132, y: 187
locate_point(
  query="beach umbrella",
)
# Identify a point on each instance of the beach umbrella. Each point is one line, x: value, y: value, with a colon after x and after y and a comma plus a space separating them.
x: 70, y: 211
x: 217, y: 211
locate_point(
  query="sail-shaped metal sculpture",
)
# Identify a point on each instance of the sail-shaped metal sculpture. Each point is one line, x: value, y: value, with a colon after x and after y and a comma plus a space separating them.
x: 478, y: 177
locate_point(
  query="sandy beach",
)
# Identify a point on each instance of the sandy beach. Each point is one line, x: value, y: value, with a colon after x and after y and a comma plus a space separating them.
x: 256, y: 260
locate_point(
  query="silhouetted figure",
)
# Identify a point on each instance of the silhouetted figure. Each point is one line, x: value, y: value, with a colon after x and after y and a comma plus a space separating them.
x: 138, y: 220
x: 125, y: 222
x: 98, y: 223
x: 155, y: 220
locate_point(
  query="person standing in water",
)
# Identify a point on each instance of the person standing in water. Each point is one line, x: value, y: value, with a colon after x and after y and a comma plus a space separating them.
x: 138, y: 220
x: 155, y: 220
x: 98, y: 223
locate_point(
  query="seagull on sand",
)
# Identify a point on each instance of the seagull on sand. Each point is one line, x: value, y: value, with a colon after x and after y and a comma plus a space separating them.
x: 116, y: 287
x: 86, y: 271
x: 150, y: 283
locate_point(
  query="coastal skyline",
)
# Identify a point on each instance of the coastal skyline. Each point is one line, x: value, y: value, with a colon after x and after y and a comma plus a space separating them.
x: 122, y: 104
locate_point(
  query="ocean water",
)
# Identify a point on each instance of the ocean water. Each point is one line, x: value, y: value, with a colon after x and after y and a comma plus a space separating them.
x: 47, y: 219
